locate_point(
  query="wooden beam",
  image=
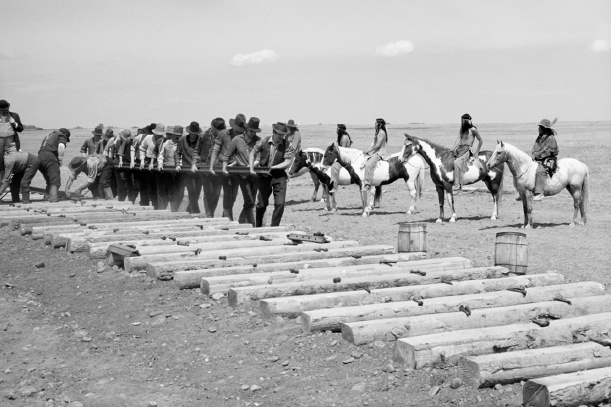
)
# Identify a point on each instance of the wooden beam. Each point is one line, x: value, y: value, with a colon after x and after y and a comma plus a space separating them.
x: 79, y: 242
x: 151, y: 246
x: 429, y: 350
x: 331, y: 319
x: 241, y: 294
x: 212, y: 284
x: 513, y: 367
x: 391, y: 329
x: 194, y: 220
x: 301, y: 251
x: 375, y: 254
x: 292, y: 307
x: 590, y: 387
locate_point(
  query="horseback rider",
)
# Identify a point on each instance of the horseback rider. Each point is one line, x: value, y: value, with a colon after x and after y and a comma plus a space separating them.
x: 545, y: 153
x: 376, y: 152
x: 462, y: 150
x: 343, y: 140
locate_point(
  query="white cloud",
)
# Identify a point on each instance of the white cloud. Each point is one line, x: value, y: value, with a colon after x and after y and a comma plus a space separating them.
x: 601, y: 45
x: 395, y: 48
x: 266, y: 55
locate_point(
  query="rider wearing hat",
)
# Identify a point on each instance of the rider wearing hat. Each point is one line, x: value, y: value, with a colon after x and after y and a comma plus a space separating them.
x: 545, y: 153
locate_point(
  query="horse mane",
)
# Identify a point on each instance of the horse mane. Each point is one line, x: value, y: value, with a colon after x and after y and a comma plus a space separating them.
x: 438, y: 148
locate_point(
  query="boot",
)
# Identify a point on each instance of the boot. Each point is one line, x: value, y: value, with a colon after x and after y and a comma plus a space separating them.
x: 25, y: 198
x: 108, y: 193
x: 53, y: 193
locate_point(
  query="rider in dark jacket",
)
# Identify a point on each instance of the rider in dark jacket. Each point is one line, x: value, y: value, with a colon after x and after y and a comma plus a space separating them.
x: 545, y: 153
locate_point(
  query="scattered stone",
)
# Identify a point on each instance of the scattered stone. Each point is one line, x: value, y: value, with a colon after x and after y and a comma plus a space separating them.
x: 10, y: 395
x: 254, y: 387
x: 152, y: 404
x: 333, y: 343
x: 75, y: 404
x: 86, y: 339
x: 155, y: 313
x: 273, y: 358
x: 158, y: 320
x: 245, y: 387
x: 360, y: 387
x: 40, y: 265
x: 356, y: 354
x: 205, y: 305
x: 379, y: 344
x: 217, y: 296
x: 212, y: 329
x: 434, y: 390
x: 135, y: 323
x: 285, y: 363
x: 330, y: 358
x: 389, y: 368
x: 498, y: 387
x: 28, y: 391
x: 349, y: 360
x: 455, y: 383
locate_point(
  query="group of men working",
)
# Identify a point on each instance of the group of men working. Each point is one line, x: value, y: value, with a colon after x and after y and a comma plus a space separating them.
x: 129, y: 164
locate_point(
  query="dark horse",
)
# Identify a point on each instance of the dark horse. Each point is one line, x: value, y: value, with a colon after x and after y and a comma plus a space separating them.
x: 441, y: 162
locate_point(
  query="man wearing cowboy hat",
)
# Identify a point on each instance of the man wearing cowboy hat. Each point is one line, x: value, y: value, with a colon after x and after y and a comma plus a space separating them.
x: 112, y: 170
x: 92, y: 166
x: 184, y: 158
x: 140, y: 177
x: 168, y: 182
x: 127, y: 176
x: 270, y: 152
x: 462, y: 149
x: 545, y: 153
x: 239, y: 151
x: 93, y: 145
x: 293, y: 138
x: 148, y: 157
x: 211, y: 184
x: 51, y: 156
x: 19, y: 169
x: 10, y: 126
x: 231, y: 183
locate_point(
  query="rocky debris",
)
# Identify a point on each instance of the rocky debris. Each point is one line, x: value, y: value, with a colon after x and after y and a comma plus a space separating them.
x: 40, y: 265
x: 360, y: 387
x: 274, y: 358
x: 455, y: 383
x: 245, y: 387
x: 356, y: 354
x: 205, y: 305
x: 158, y: 320
x: 254, y: 387
x: 285, y: 363
x: 349, y: 360
x: 434, y: 390
x: 217, y: 296
x: 498, y: 387
x: 212, y: 329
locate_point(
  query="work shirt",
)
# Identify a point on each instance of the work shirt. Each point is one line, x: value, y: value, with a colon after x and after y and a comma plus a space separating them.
x: 221, y: 143
x: 135, y: 146
x: 186, y: 149
x: 14, y: 163
x: 94, y: 166
x: 147, y: 147
x: 52, y: 142
x: 545, y: 146
x: 167, y: 152
x: 124, y: 149
x: 8, y: 129
x: 92, y: 146
x: 239, y: 150
x: 203, y: 148
x: 264, y: 149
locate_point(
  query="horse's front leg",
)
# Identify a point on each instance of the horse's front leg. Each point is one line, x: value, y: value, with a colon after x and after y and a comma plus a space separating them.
x: 316, y: 182
x: 440, y: 192
x: 451, y: 203
x: 413, y: 194
x: 527, y: 205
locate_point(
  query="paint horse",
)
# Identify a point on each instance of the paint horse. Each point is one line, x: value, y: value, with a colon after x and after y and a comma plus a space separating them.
x: 298, y: 168
x: 305, y: 160
x: 570, y: 174
x: 441, y: 162
x: 387, y: 171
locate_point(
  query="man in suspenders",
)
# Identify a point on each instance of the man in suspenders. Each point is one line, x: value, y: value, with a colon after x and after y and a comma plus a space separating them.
x: 50, y: 156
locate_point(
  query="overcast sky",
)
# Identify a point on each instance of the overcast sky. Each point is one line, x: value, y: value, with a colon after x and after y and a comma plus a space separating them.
x: 124, y: 63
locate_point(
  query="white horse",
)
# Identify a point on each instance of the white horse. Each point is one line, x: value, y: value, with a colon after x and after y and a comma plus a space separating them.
x: 387, y: 171
x: 571, y: 174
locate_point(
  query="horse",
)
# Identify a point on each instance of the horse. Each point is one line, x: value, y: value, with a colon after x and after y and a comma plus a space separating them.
x: 571, y: 174
x: 387, y: 171
x: 298, y: 168
x: 441, y: 162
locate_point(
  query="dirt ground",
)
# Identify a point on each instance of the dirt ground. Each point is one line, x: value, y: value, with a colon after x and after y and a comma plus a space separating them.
x: 71, y: 335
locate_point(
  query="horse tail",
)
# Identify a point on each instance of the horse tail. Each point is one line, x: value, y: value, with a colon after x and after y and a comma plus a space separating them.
x: 500, y: 192
x: 585, y: 195
x: 420, y: 182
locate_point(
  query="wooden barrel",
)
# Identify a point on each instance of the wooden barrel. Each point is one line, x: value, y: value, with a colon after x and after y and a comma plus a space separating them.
x: 412, y: 237
x: 511, y: 251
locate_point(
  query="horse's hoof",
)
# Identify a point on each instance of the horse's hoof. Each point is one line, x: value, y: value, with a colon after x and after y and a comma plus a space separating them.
x: 452, y: 220
x: 493, y: 217
x: 438, y: 221
x: 572, y: 224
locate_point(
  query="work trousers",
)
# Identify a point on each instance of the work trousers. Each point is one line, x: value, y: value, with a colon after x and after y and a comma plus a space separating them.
x: 107, y: 178
x: 249, y: 187
x: 231, y: 183
x: 49, y: 167
x: 21, y: 181
x: 193, y: 183
x: 125, y: 184
x: 276, y: 184
x: 148, y: 187
x: 7, y: 146
x: 212, y: 185
x: 167, y: 191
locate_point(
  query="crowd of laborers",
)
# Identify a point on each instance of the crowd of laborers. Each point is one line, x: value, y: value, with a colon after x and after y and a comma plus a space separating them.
x: 124, y: 165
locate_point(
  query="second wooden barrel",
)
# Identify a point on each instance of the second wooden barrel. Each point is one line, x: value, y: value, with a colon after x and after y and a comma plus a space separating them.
x: 511, y: 251
x: 412, y: 237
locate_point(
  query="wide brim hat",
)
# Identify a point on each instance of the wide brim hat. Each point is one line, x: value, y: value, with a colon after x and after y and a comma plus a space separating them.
x: 193, y: 128
x: 218, y: 124
x: 4, y: 105
x: 253, y: 124
x: 238, y: 123
x: 291, y: 124
x: 76, y: 162
x: 175, y: 130
x: 159, y: 129
x: 97, y: 131
x: 546, y: 123
x: 280, y: 128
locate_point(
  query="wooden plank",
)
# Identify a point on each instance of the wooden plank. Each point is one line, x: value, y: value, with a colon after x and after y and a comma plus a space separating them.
x: 304, y: 250
x: 15, y: 224
x: 590, y: 387
x: 429, y: 350
x: 212, y: 284
x: 390, y: 329
x: 513, y: 367
x: 193, y: 220
x: 98, y: 250
x: 292, y: 307
x: 376, y: 254
x: 331, y: 319
x: 241, y: 294
x: 164, y: 270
